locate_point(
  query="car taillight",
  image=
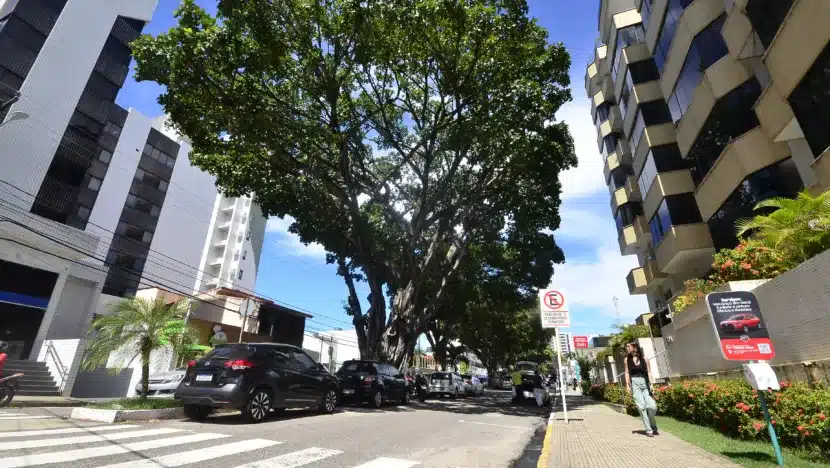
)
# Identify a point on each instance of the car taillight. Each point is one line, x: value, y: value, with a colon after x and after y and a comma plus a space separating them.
x: 368, y: 379
x: 239, y: 364
x: 191, y: 363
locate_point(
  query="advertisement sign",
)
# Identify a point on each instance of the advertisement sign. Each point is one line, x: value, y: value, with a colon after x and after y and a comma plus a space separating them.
x: 580, y: 342
x: 739, y: 326
x: 554, y: 309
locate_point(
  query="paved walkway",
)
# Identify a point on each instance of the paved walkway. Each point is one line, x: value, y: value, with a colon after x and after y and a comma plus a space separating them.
x: 599, y: 437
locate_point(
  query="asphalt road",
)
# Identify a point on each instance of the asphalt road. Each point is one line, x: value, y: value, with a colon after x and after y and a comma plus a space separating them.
x: 486, y: 431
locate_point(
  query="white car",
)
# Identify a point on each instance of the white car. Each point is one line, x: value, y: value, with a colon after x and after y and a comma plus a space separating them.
x: 472, y: 386
x: 163, y: 385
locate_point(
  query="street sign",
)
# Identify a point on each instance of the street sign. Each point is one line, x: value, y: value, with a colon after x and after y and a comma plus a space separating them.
x: 580, y: 342
x: 739, y: 326
x: 554, y: 308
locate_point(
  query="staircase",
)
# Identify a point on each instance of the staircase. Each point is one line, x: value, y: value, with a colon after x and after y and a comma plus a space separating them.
x: 36, y: 381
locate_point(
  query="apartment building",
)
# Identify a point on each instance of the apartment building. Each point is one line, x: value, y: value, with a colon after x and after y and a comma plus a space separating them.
x: 96, y: 202
x: 704, y: 108
x: 564, y: 343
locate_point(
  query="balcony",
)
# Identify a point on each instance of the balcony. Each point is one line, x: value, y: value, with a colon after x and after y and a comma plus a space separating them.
x: 800, y: 40
x: 221, y: 243
x: 654, y: 135
x: 740, y: 37
x: 631, y: 54
x: 611, y: 125
x: 645, y: 278
x: 605, y: 94
x: 635, y: 237
x: 641, y: 93
x: 686, y: 249
x: 228, y: 207
x: 225, y: 226
x: 217, y: 261
x: 621, y: 155
x: 746, y: 154
x: 629, y: 192
x: 774, y: 114
x: 767, y: 16
x: 665, y: 184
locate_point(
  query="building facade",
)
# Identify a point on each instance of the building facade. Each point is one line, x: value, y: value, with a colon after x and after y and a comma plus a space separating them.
x: 96, y: 201
x: 704, y: 108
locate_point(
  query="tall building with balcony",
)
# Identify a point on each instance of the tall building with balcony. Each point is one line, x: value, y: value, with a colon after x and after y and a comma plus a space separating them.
x: 96, y: 201
x: 704, y: 108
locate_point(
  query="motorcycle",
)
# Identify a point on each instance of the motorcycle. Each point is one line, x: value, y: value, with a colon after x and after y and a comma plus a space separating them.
x: 8, y: 387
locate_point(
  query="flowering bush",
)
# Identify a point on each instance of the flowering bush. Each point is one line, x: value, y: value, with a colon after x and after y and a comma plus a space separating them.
x: 801, y: 415
x: 748, y: 261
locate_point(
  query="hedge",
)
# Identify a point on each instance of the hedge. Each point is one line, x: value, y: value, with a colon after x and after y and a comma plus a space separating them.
x: 800, y: 414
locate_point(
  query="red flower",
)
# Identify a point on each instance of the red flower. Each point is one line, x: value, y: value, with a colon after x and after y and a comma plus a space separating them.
x: 812, y: 422
x: 800, y: 410
x: 772, y: 421
x: 755, y: 272
x: 692, y: 396
x: 746, y: 266
x: 746, y: 408
x: 758, y: 426
x: 821, y: 416
x: 808, y: 433
x: 740, y: 246
x: 740, y: 405
x: 728, y: 264
x: 800, y: 428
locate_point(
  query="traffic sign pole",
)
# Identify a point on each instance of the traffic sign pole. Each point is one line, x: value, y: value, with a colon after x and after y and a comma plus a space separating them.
x: 561, y: 376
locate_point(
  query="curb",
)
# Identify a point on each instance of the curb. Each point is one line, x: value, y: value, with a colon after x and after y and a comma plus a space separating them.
x: 46, y: 404
x: 546, y: 444
x: 114, y: 416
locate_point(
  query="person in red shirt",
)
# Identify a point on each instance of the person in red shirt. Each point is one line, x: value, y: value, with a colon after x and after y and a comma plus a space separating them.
x: 3, y: 356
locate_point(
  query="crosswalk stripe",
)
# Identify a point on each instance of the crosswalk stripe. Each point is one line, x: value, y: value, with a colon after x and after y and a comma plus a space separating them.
x: 106, y: 450
x: 294, y: 459
x: 15, y: 418
x: 196, y: 456
x: 68, y: 430
x: 384, y: 462
x: 26, y: 444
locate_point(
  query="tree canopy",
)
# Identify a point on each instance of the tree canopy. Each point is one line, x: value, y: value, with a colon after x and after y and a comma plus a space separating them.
x: 399, y: 134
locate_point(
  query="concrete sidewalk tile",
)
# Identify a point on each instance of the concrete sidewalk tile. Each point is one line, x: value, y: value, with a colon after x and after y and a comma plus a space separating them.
x: 598, y: 436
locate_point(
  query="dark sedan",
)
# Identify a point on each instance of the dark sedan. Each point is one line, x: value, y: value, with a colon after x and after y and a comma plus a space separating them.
x: 374, y: 382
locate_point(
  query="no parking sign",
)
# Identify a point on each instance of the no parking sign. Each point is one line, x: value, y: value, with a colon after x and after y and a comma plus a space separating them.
x: 554, y: 308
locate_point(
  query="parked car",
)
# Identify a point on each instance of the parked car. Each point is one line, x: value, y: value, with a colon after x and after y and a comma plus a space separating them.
x: 530, y: 380
x: 445, y: 383
x: 472, y: 386
x: 374, y: 382
x: 741, y: 322
x: 163, y: 385
x: 256, y: 378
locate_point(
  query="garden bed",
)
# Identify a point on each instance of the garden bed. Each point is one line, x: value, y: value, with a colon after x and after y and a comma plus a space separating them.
x: 130, y: 409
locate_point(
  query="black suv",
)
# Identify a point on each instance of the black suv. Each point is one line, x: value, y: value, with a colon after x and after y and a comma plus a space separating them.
x: 256, y: 377
x: 372, y: 381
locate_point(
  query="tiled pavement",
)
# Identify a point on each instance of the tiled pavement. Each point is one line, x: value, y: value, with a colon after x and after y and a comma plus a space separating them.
x: 599, y: 437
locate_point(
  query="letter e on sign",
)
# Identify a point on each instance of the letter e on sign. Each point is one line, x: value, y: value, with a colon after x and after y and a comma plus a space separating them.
x: 554, y: 309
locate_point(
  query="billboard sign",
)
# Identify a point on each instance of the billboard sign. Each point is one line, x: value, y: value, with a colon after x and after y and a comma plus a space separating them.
x: 580, y: 342
x: 739, y: 326
x: 554, y: 308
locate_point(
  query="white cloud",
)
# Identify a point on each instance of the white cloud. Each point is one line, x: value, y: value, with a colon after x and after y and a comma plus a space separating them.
x: 290, y: 243
x: 586, y: 178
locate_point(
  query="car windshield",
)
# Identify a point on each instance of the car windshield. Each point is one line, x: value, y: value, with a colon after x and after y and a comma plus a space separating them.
x: 440, y: 376
x: 229, y: 352
x: 356, y: 366
x: 735, y: 317
x: 526, y: 366
x: 466, y: 376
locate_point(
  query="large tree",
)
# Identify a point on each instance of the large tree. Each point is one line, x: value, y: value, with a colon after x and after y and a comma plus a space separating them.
x: 396, y: 133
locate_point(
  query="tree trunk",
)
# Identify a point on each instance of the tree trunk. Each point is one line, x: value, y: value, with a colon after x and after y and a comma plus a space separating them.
x: 145, y: 371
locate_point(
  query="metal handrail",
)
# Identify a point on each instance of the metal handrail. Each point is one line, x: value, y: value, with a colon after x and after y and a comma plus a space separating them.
x: 53, y: 353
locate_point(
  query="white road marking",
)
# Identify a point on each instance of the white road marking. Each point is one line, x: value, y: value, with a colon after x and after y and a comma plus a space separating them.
x: 106, y: 450
x: 26, y: 444
x: 68, y: 430
x: 495, y: 425
x: 384, y: 462
x: 196, y: 456
x: 294, y: 459
x: 15, y: 418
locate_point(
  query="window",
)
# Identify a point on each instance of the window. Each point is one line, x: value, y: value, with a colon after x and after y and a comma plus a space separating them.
x: 151, y: 180
x: 663, y: 158
x: 670, y: 20
x: 619, y: 176
x: 83, y: 213
x: 609, y: 144
x: 645, y: 11
x: 649, y: 113
x: 241, y: 272
x: 626, y: 214
x: 147, y: 237
x: 162, y: 186
x: 94, y: 184
x: 155, y: 210
x: 707, y: 48
x: 112, y: 129
x: 247, y: 235
x: 811, y: 103
x: 244, y: 254
x: 767, y: 16
x: 603, y: 111
x: 625, y: 95
x: 139, y: 174
x: 158, y: 155
x: 104, y: 156
x: 282, y: 357
x: 302, y: 360
x: 674, y: 211
x: 625, y: 37
x: 778, y: 180
x: 731, y: 116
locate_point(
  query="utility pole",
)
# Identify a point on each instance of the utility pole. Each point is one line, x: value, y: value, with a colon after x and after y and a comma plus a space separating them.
x: 617, y: 309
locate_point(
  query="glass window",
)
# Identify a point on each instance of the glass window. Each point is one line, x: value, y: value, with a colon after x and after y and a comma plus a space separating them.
x: 163, y: 186
x: 603, y: 110
x: 675, y: 210
x: 626, y: 214
x: 731, y: 117
x: 241, y: 272
x: 609, y: 145
x: 767, y: 16
x: 244, y: 254
x: 810, y: 101
x: 707, y: 48
x: 147, y: 237
x: 139, y: 174
x: 647, y: 175
x: 94, y: 184
x: 625, y: 95
x: 645, y: 11
x: 148, y: 149
x: 155, y: 210
x: 83, y: 213
x: 104, y: 156
x: 625, y: 37
x: 619, y: 176
x: 302, y: 360
x: 663, y: 158
x: 670, y: 20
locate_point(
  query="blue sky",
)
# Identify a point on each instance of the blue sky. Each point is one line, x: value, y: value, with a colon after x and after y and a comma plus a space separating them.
x: 594, y: 272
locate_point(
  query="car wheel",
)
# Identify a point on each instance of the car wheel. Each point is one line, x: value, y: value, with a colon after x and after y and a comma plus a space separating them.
x: 196, y: 412
x: 258, y: 406
x: 377, y: 400
x: 329, y: 403
x: 406, y: 398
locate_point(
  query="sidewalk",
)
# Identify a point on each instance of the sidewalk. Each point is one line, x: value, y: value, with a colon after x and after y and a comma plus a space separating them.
x: 599, y: 437
x: 26, y: 401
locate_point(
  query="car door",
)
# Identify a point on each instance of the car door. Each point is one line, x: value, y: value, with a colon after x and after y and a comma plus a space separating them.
x: 310, y: 376
x: 281, y: 375
x: 397, y: 382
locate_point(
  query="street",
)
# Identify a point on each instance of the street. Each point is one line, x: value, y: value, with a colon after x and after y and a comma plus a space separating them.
x: 484, y: 431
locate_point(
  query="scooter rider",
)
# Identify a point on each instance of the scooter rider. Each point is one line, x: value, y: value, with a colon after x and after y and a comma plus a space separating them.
x: 3, y: 356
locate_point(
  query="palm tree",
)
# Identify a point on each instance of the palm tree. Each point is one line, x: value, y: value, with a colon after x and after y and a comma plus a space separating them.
x: 797, y: 228
x: 135, y: 328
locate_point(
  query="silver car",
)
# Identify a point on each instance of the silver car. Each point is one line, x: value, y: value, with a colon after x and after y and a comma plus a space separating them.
x: 163, y: 385
x: 446, y: 384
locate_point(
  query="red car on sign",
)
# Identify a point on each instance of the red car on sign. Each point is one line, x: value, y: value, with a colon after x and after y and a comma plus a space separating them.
x: 741, y: 322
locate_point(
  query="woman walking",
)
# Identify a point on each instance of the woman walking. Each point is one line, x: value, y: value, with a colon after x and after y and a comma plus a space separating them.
x: 636, y: 376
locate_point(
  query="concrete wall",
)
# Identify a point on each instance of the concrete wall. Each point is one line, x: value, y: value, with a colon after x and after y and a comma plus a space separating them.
x: 795, y: 306
x: 100, y: 383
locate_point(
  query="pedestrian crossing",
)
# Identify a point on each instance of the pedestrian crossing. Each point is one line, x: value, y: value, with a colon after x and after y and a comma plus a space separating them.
x: 11, y: 415
x: 141, y: 447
